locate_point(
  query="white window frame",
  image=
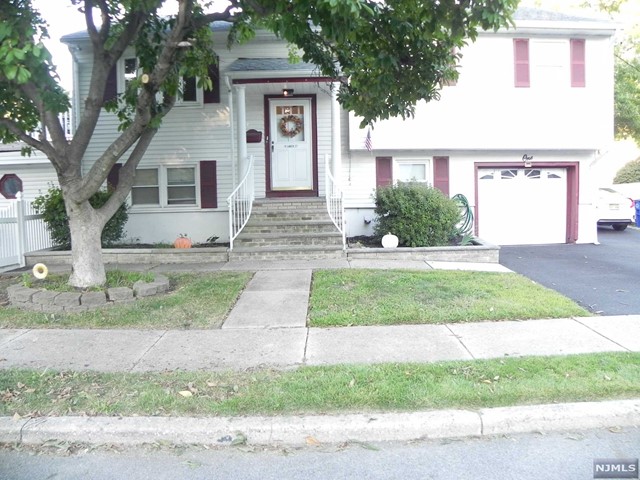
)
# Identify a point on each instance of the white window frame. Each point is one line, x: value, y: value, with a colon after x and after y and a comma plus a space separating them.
x: 121, y: 81
x: 426, y: 161
x: 198, y: 102
x: 163, y: 187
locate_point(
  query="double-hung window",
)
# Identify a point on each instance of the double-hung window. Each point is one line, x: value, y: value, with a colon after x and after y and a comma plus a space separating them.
x: 164, y: 186
x: 190, y: 93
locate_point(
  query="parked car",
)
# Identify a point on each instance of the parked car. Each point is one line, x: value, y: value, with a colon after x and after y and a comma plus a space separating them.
x: 614, y: 209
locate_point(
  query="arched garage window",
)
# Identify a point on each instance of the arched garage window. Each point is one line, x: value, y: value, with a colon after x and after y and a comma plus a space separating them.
x: 10, y: 185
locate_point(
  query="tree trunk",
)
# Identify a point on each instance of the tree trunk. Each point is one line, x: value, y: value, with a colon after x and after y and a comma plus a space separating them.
x: 87, y: 268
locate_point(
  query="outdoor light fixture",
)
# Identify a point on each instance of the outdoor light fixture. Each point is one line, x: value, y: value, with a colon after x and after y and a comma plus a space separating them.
x: 287, y: 92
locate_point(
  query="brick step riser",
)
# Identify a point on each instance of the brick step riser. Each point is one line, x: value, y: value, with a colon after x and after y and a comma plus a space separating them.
x: 290, y: 205
x: 286, y: 229
x: 288, y: 242
x: 288, y: 217
x: 257, y: 255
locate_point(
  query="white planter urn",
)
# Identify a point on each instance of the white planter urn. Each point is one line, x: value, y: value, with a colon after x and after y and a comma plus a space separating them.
x: 389, y: 241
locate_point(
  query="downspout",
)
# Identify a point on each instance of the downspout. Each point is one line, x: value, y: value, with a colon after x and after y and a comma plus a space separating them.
x: 233, y: 135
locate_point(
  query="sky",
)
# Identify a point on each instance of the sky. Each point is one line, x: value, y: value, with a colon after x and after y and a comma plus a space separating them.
x: 64, y: 18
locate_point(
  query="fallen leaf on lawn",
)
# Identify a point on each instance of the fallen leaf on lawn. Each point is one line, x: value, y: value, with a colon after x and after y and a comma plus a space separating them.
x: 607, y: 377
x: 212, y: 384
x: 312, y: 441
x: 352, y: 382
x: 487, y: 381
x: 185, y: 393
x: 30, y: 390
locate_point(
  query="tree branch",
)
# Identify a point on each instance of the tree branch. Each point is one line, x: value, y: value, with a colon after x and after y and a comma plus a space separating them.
x: 44, y: 146
x: 127, y: 174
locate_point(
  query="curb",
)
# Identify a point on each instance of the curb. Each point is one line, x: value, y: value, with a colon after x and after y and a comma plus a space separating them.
x: 313, y: 429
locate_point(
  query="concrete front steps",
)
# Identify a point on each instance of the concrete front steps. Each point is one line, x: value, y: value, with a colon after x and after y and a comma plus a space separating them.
x: 288, y: 228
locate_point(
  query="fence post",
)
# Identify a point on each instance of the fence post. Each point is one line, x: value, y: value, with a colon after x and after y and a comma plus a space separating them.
x: 20, y: 236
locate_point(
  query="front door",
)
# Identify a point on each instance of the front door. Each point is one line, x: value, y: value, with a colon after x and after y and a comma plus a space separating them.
x: 290, y: 148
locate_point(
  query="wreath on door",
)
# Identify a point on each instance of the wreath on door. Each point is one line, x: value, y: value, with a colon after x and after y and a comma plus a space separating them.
x: 290, y: 125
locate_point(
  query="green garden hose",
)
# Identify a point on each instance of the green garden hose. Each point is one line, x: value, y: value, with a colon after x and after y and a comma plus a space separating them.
x: 466, y: 223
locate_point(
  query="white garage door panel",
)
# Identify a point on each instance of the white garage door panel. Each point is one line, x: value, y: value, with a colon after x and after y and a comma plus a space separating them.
x: 522, y: 205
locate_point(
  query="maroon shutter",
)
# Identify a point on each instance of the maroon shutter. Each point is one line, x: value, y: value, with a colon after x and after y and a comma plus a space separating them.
x: 521, y: 61
x: 578, y: 77
x: 384, y: 172
x: 441, y: 174
x: 208, y: 185
x: 113, y: 177
x: 213, y: 96
x: 111, y: 88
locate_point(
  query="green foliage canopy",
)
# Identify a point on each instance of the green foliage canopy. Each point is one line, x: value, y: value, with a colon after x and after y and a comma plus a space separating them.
x: 627, y: 98
x: 630, y: 173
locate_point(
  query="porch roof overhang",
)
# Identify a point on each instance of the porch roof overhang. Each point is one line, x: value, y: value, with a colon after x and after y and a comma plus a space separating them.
x: 274, y: 70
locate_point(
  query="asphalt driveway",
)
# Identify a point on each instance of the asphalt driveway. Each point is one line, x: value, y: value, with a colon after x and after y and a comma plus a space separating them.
x: 603, y: 278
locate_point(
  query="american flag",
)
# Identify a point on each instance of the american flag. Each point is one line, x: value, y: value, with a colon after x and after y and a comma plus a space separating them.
x: 367, y: 141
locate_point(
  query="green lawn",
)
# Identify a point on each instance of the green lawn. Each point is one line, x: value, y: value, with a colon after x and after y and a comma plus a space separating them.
x: 197, y: 301
x: 391, y: 297
x: 390, y: 387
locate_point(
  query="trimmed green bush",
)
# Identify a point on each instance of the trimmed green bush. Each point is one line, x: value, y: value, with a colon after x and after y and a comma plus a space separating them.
x: 419, y: 215
x: 630, y: 173
x: 51, y: 206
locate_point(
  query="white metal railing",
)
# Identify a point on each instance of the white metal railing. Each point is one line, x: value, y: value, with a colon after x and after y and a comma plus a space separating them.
x: 335, y: 201
x: 240, y: 203
x: 22, y: 230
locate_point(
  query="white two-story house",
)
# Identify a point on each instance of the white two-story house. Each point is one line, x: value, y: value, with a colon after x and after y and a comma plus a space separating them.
x: 516, y: 135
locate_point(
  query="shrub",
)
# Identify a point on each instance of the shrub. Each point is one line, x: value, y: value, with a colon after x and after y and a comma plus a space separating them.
x: 629, y: 173
x: 51, y: 206
x: 419, y: 215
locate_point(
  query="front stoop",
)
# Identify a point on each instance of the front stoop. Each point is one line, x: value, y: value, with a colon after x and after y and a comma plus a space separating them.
x: 283, y: 229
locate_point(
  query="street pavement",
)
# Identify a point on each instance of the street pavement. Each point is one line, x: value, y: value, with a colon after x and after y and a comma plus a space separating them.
x: 548, y: 456
x: 267, y: 328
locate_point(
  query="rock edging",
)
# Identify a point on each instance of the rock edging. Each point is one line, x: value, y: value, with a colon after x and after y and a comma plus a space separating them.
x: 39, y: 299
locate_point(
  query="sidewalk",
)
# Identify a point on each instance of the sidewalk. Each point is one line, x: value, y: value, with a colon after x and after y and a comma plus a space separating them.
x: 242, y: 348
x: 267, y: 329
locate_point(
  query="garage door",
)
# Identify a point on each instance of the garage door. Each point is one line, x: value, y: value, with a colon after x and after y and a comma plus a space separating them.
x: 519, y: 206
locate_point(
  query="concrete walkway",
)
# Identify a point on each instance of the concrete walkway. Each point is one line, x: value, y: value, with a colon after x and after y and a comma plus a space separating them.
x: 242, y: 348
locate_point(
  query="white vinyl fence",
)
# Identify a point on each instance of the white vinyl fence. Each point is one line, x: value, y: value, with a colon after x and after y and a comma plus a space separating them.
x: 22, y: 230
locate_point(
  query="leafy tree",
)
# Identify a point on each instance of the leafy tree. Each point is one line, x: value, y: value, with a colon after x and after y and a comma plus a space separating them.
x: 393, y: 54
x: 629, y: 173
x: 627, y: 98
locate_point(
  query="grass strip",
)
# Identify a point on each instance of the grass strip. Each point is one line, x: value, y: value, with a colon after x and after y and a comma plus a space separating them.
x: 392, y: 297
x: 387, y: 387
x: 197, y: 301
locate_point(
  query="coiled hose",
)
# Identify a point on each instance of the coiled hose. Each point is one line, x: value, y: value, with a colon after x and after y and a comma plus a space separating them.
x: 465, y: 226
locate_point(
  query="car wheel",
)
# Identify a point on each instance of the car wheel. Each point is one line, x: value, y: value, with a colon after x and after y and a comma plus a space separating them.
x: 619, y: 228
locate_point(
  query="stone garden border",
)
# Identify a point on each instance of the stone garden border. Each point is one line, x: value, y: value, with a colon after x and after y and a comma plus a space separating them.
x: 482, y: 252
x: 39, y: 299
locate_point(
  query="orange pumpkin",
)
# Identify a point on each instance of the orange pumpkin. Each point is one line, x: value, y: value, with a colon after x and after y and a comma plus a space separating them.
x: 182, y: 242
